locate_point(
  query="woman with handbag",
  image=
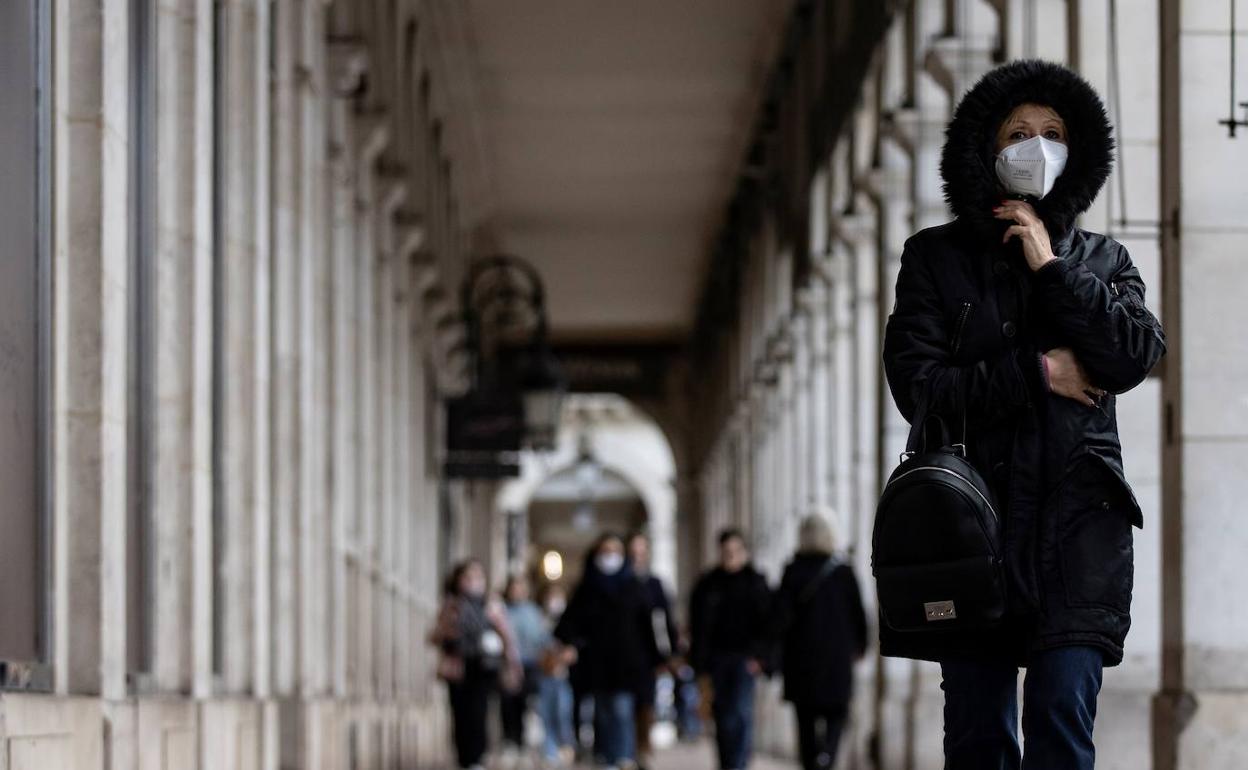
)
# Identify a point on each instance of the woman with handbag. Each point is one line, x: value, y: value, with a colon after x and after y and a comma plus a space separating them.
x: 822, y: 631
x: 477, y: 654
x: 1017, y: 324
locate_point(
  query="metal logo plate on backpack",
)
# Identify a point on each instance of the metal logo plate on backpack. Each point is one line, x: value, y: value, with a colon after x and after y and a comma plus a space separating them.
x: 940, y: 611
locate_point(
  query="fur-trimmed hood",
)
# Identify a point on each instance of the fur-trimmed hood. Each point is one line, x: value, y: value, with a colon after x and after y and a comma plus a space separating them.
x: 967, y: 161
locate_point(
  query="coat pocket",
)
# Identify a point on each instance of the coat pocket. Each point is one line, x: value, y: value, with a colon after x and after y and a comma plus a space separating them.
x: 1095, y: 543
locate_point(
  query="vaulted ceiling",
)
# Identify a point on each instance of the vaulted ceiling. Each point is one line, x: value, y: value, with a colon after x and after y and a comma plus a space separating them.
x: 613, y: 133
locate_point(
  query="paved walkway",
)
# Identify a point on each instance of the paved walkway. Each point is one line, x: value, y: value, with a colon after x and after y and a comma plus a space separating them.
x: 701, y: 756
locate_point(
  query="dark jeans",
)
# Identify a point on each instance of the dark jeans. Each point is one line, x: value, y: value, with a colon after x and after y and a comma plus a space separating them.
x: 818, y: 735
x: 470, y: 698
x: 615, y: 733
x: 513, y: 706
x: 733, y: 709
x: 1059, y: 707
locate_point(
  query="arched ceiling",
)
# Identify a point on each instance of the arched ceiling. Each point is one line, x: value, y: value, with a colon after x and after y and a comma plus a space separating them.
x: 614, y: 133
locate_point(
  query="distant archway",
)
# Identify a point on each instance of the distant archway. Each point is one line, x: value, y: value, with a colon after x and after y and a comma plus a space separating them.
x: 630, y: 447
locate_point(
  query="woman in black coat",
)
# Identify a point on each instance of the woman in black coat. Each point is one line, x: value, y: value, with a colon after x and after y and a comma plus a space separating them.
x: 608, y: 621
x: 1032, y: 326
x: 823, y: 631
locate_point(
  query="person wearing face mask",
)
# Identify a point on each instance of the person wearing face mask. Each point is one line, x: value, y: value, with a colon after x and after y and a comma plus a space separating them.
x: 477, y: 654
x: 728, y: 614
x: 1027, y: 327
x: 608, y: 622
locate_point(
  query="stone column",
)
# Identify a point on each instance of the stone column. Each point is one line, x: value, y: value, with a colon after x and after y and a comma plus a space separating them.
x: 1200, y: 718
x: 373, y: 138
x: 261, y: 369
x: 288, y: 443
x: 179, y: 512
x: 238, y: 254
x: 343, y: 368
x: 803, y: 436
x: 821, y: 386
x: 310, y: 342
x: 91, y: 84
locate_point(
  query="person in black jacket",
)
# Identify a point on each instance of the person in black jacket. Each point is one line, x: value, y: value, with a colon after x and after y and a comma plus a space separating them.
x: 1030, y: 327
x: 822, y: 631
x: 728, y: 613
x: 662, y: 627
x: 608, y: 622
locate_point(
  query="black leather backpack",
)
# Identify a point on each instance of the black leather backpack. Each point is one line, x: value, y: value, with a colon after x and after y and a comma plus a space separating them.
x: 936, y: 550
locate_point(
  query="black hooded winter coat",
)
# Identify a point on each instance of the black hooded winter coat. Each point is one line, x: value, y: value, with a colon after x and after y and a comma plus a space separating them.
x: 970, y: 326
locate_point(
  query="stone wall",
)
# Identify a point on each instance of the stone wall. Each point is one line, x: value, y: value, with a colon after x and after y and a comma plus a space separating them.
x: 254, y: 222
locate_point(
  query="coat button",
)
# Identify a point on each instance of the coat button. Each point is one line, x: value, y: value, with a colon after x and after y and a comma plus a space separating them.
x: 1001, y: 268
x: 1009, y: 330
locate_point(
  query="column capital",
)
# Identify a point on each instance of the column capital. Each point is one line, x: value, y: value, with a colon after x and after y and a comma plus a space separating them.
x: 346, y: 64
x: 955, y: 63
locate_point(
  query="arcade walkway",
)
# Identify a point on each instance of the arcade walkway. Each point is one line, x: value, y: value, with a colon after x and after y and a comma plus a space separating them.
x: 253, y: 404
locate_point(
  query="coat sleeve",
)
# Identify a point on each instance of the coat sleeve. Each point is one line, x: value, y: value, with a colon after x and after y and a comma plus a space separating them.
x: 762, y: 612
x: 697, y: 625
x: 669, y: 624
x: 569, y: 630
x: 1113, y: 334
x: 857, y: 616
x: 918, y: 355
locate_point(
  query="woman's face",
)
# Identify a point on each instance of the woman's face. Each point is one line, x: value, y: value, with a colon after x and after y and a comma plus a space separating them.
x: 1028, y: 121
x: 610, y: 546
x: 518, y: 591
x: 472, y: 581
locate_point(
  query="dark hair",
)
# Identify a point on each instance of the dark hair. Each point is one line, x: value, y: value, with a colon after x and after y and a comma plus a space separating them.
x: 512, y: 580
x: 731, y: 533
x: 450, y: 587
x: 599, y: 541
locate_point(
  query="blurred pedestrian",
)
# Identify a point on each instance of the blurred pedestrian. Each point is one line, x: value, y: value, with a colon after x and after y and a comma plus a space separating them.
x: 663, y: 628
x: 822, y: 631
x: 477, y: 654
x: 554, y: 692
x: 532, y: 636
x: 608, y: 621
x: 728, y: 613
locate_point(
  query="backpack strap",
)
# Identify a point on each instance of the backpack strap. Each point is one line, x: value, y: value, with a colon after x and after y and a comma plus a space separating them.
x: 919, y: 439
x: 812, y: 587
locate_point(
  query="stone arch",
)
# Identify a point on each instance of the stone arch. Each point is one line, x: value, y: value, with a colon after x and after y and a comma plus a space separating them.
x: 627, y: 442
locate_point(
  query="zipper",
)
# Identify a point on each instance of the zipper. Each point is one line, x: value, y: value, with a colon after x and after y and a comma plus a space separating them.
x: 956, y: 475
x: 960, y: 326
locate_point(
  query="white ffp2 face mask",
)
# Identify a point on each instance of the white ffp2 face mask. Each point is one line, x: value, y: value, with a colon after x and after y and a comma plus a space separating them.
x: 1031, y: 167
x: 610, y: 563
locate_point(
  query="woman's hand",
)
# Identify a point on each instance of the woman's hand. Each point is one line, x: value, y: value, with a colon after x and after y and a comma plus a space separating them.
x: 1068, y: 378
x: 1030, y: 230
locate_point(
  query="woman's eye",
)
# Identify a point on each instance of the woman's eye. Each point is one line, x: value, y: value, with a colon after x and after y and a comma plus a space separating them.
x: 1017, y: 135
x: 1053, y: 135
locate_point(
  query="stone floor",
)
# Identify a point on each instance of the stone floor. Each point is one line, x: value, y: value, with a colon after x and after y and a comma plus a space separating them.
x: 684, y: 756
x: 701, y: 756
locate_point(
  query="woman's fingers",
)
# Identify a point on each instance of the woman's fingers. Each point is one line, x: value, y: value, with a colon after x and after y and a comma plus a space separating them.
x: 1018, y: 211
x: 1012, y: 231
